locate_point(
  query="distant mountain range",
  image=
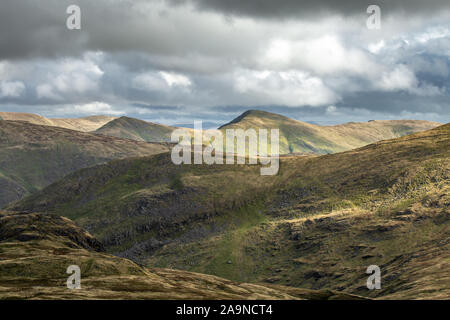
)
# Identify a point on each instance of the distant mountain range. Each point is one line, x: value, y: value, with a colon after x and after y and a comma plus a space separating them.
x: 36, y: 151
x: 85, y: 124
x: 302, y: 137
x: 295, y: 136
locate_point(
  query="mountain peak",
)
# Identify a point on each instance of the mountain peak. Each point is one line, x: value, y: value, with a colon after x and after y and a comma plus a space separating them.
x: 136, y: 129
x: 253, y: 113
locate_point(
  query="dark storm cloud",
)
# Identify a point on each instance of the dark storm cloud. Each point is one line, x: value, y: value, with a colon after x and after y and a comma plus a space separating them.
x: 156, y: 108
x: 175, y: 61
x: 30, y: 29
x: 308, y: 9
x: 36, y: 28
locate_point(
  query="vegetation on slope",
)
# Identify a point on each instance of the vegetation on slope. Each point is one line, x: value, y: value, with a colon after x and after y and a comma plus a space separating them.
x: 295, y: 136
x: 135, y: 129
x: 36, y: 250
x: 319, y: 223
x: 84, y: 124
x: 33, y: 156
x: 302, y: 137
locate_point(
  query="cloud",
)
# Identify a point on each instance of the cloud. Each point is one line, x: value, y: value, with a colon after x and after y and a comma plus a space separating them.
x: 151, y: 81
x: 45, y: 91
x: 174, y: 79
x: 401, y: 78
x: 376, y: 47
x: 290, y: 88
x: 176, y: 59
x: 11, y: 89
x: 295, y: 9
x: 87, y: 109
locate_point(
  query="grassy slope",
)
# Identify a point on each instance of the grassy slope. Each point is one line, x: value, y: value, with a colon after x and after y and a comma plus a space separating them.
x: 385, y: 204
x: 33, y: 156
x: 302, y: 137
x: 84, y: 124
x: 135, y: 129
x: 317, y: 224
x: 295, y: 136
x: 36, y: 250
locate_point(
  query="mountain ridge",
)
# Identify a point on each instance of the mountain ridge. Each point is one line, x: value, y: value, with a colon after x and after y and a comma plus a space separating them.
x: 136, y: 129
x: 295, y: 136
x: 33, y: 156
x: 316, y: 224
x: 302, y: 137
x: 84, y: 124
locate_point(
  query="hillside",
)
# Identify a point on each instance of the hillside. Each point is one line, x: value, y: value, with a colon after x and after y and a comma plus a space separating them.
x: 33, y: 156
x: 302, y: 137
x: 317, y: 224
x: 84, y: 124
x: 135, y: 129
x: 37, y: 249
x: 295, y: 136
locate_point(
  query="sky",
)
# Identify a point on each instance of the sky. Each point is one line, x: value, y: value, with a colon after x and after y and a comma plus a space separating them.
x: 176, y: 61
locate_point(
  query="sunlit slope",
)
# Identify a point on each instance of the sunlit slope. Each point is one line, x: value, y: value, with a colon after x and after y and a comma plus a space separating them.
x: 318, y: 224
x: 84, y: 124
x: 135, y: 129
x: 37, y: 249
x: 302, y: 137
x: 28, y: 117
x: 33, y: 156
x: 332, y: 216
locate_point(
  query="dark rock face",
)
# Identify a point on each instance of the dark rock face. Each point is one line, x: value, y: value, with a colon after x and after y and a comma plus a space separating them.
x: 10, y: 191
x: 23, y: 226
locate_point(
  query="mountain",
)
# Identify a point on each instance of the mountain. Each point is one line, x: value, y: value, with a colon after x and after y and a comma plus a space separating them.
x: 37, y: 249
x: 135, y: 129
x: 318, y: 224
x: 85, y: 124
x: 33, y: 156
x: 295, y: 136
x: 303, y: 137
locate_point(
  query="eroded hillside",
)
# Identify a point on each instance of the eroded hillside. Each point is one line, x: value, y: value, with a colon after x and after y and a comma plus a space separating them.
x: 317, y: 224
x: 36, y: 250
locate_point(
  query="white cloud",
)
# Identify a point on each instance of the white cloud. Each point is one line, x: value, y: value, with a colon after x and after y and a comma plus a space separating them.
x: 433, y: 34
x: 11, y: 89
x: 162, y: 81
x: 401, y: 78
x: 278, y: 54
x: 332, y: 110
x: 95, y: 107
x: 150, y: 81
x: 175, y: 79
x: 69, y: 77
x: 377, y: 46
x: 290, y: 88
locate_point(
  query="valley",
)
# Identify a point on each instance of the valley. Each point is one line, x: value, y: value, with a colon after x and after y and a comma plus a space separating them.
x: 316, y: 225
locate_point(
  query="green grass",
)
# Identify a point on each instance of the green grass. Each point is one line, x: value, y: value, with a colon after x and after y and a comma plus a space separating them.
x: 316, y: 224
